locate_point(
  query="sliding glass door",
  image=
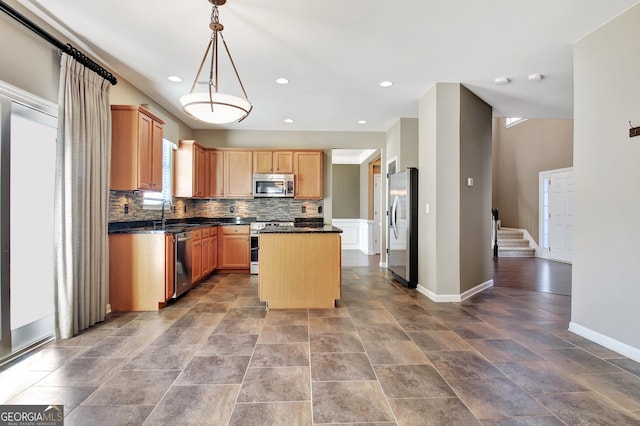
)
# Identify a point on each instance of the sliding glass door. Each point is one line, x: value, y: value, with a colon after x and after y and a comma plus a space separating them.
x: 27, y: 165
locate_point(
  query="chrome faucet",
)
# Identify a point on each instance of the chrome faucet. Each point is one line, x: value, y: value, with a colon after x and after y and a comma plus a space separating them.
x: 162, y: 218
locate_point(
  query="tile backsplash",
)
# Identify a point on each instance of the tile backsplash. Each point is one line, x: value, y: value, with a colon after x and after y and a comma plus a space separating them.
x: 262, y: 208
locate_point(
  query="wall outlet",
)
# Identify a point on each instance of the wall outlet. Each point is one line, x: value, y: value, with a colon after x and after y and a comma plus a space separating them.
x: 304, y: 209
x: 319, y: 209
x: 185, y: 208
x: 634, y: 131
x: 126, y: 209
x: 232, y: 209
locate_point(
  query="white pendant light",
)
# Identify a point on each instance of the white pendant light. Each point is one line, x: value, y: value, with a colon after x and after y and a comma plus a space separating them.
x: 211, y: 106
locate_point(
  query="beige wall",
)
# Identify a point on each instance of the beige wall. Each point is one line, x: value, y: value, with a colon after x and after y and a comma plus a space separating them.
x: 28, y: 62
x: 346, y: 191
x: 606, y: 271
x: 520, y: 152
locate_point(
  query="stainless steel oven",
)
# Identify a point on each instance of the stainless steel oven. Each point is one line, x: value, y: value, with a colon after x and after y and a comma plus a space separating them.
x: 255, y: 228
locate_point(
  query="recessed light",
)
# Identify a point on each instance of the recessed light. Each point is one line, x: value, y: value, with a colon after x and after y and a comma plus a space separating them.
x: 500, y: 81
x: 386, y: 83
x: 282, y: 80
x: 174, y: 78
x: 535, y: 77
x: 362, y: 121
x: 288, y: 120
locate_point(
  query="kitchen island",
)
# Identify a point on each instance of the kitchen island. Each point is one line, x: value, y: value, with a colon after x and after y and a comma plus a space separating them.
x: 300, y: 267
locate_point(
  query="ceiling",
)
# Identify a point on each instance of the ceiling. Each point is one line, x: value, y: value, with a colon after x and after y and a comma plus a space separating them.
x: 336, y: 52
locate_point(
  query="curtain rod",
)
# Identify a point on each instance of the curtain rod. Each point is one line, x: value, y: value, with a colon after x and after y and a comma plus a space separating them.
x: 66, y: 48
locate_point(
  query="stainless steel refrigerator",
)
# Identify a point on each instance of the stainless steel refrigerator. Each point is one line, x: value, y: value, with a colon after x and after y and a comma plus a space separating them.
x: 402, y: 236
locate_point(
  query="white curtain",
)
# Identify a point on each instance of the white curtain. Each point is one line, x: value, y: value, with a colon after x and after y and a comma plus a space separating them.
x: 81, y: 246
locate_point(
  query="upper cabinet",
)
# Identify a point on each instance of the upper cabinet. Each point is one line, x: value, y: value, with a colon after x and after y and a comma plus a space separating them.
x: 238, y: 167
x: 136, y: 149
x: 228, y: 173
x: 190, y: 170
x: 307, y: 168
x: 272, y: 161
x: 214, y: 173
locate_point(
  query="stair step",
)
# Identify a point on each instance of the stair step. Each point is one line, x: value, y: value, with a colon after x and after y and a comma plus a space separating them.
x: 520, y: 242
x: 510, y: 234
x: 516, y: 252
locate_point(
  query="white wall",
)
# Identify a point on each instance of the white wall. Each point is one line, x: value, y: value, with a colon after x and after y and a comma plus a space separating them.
x: 606, y: 266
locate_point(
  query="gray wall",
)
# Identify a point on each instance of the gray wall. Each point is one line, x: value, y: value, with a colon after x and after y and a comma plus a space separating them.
x: 475, y: 201
x: 606, y: 271
x: 346, y: 191
x: 520, y: 153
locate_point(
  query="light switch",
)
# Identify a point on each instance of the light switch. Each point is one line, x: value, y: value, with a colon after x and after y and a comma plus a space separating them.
x: 426, y: 208
x: 469, y: 181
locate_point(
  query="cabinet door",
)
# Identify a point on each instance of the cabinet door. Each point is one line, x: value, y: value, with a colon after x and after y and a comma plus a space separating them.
x: 213, y: 253
x: 198, y: 172
x: 156, y: 156
x: 206, y: 252
x: 238, y: 174
x: 145, y: 152
x: 262, y: 162
x: 197, y: 262
x: 235, y: 251
x: 214, y: 174
x: 283, y: 161
x: 307, y: 167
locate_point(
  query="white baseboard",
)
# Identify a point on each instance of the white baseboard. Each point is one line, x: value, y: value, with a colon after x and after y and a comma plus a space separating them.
x: 455, y: 297
x: 606, y: 341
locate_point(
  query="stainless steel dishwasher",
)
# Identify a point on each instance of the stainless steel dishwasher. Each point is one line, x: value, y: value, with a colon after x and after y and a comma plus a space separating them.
x: 183, y: 262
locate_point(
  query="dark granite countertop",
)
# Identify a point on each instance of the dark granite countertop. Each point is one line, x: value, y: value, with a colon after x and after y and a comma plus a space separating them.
x: 174, y: 225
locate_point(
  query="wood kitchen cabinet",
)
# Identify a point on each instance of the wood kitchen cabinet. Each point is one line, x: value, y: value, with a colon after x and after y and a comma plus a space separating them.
x: 214, y: 173
x: 141, y: 271
x: 190, y: 170
x: 206, y: 251
x: 136, y: 149
x: 213, y: 248
x: 273, y: 161
x: 196, y: 260
x: 234, y: 246
x: 238, y: 173
x: 307, y: 170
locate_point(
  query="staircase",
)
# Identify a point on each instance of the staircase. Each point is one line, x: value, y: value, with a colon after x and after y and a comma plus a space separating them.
x: 512, y: 243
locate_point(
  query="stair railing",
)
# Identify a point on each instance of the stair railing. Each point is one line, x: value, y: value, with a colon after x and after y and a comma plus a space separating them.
x: 495, y: 214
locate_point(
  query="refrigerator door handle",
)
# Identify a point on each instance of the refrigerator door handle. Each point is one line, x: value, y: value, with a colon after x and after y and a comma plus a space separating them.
x: 394, y: 217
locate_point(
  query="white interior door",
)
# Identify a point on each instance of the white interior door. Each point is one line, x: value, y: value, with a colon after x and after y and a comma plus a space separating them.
x: 377, y: 213
x: 561, y: 214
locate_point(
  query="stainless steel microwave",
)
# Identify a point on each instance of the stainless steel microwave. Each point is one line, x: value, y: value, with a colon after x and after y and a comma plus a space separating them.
x: 273, y: 185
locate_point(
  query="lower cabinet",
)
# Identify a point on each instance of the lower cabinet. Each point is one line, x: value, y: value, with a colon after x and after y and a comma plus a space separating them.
x: 234, y: 247
x: 141, y: 274
x: 196, y: 261
x: 205, y: 252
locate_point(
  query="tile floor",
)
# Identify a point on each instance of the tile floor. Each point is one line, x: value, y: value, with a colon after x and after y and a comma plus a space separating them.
x: 386, y: 355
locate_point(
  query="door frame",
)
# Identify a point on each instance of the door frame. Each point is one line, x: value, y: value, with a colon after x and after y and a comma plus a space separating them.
x: 10, y: 94
x: 544, y: 252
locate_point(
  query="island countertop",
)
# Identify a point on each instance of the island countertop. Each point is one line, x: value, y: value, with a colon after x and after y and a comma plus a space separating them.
x: 326, y: 229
